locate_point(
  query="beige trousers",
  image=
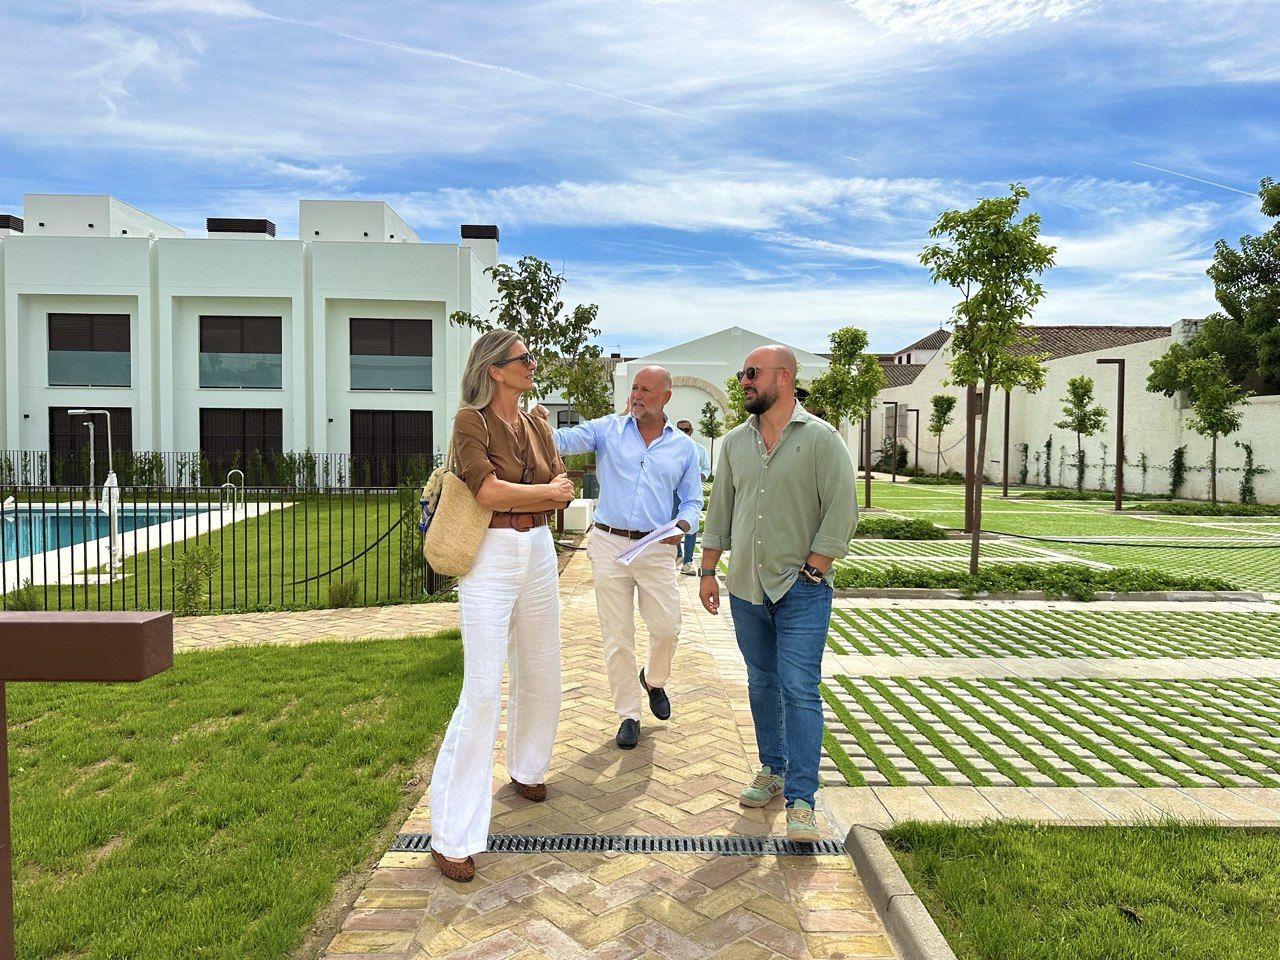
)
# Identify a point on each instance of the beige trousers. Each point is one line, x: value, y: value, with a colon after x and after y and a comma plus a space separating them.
x: 651, y: 576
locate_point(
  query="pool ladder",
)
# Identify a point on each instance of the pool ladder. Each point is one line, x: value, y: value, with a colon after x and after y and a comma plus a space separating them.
x: 235, y: 492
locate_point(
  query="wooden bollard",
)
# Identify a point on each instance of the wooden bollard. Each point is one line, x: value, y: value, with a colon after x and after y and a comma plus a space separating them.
x: 94, y: 647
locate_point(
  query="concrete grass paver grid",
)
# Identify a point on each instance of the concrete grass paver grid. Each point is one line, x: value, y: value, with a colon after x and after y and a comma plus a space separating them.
x: 1022, y: 632
x: 1246, y: 566
x: 872, y: 549
x: 1042, y: 733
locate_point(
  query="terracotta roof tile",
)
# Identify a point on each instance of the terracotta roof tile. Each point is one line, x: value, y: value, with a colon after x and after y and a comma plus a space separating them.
x: 931, y: 341
x: 901, y: 374
x: 1068, y: 341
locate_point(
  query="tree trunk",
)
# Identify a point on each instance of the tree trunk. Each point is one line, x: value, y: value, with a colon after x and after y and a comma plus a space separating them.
x: 938, y: 467
x: 980, y: 457
x: 1213, y: 470
x: 1079, y: 466
x: 711, y: 459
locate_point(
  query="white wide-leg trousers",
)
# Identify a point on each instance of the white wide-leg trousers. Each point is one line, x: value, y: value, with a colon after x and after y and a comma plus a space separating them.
x: 650, y: 580
x: 509, y: 606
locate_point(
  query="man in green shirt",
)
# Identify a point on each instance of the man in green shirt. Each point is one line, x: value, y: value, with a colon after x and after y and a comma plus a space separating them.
x: 783, y: 501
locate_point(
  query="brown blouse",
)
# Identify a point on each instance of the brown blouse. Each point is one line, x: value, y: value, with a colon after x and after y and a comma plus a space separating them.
x: 484, y: 443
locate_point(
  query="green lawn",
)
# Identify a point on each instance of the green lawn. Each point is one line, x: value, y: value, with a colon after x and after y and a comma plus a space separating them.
x: 208, y: 812
x: 286, y: 558
x: 1152, y: 542
x: 1158, y: 892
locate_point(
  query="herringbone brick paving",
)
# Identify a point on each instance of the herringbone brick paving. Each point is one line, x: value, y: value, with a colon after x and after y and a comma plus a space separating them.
x: 683, y: 778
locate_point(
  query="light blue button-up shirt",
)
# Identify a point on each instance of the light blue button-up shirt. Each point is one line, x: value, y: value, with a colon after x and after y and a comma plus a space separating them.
x: 637, y: 482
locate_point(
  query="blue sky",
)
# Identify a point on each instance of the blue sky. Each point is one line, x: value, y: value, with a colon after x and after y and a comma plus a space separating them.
x: 689, y: 165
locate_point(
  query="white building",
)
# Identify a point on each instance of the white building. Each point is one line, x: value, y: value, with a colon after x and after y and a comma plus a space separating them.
x: 699, y: 369
x: 1155, y: 425
x: 237, y: 343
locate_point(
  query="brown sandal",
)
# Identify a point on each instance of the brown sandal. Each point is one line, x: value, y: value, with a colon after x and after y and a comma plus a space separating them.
x: 537, y: 792
x: 461, y: 871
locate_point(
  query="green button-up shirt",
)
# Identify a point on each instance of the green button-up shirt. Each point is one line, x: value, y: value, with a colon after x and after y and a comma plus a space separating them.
x: 773, y: 509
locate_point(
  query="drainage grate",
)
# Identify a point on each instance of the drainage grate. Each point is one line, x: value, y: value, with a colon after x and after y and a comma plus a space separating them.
x: 599, y: 843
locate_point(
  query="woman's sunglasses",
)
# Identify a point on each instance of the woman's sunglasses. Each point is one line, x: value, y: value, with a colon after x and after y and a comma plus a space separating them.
x: 525, y: 358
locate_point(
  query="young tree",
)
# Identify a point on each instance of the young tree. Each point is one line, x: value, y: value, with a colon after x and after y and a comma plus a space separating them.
x: 993, y: 261
x: 529, y: 303
x: 943, y: 405
x: 853, y: 378
x: 709, y: 426
x: 586, y: 388
x: 737, y: 412
x: 1082, y: 416
x: 1215, y: 400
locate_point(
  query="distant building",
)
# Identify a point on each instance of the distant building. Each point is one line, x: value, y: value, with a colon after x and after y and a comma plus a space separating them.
x: 1154, y: 425
x: 236, y: 344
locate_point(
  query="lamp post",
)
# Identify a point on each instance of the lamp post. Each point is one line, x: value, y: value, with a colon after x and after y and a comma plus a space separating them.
x: 1005, y: 491
x: 1119, y: 365
x: 866, y: 460
x: 893, y: 447
x: 916, y: 411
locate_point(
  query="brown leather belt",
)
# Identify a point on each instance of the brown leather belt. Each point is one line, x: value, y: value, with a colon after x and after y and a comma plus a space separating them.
x: 517, y: 521
x: 629, y: 534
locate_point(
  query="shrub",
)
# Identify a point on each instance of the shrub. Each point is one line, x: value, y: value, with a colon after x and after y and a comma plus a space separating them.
x: 885, y: 464
x: 26, y: 597
x: 894, y: 528
x: 1073, y: 580
x: 1199, y: 509
x: 946, y: 478
x: 344, y: 593
x: 1062, y: 493
x: 191, y: 584
x: 1177, y: 470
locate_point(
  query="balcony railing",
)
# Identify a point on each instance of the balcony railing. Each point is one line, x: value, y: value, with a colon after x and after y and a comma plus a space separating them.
x: 260, y: 371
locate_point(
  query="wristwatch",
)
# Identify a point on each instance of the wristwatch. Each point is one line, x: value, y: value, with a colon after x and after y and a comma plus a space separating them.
x: 704, y: 572
x: 811, y: 573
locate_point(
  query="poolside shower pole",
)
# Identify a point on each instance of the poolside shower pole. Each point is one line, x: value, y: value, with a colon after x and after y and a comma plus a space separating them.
x: 93, y: 471
x: 113, y: 498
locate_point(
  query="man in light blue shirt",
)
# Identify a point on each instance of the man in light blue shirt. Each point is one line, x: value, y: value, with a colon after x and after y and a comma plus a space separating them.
x: 642, y: 463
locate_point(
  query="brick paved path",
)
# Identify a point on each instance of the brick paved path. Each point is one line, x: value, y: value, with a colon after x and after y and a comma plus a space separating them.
x: 682, y: 779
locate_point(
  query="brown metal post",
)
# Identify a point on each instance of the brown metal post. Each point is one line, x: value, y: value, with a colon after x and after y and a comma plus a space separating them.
x: 893, y: 445
x: 916, y: 465
x: 970, y: 418
x: 6, y: 866
x: 866, y: 462
x: 1119, y: 364
x: 103, y: 647
x: 1004, y: 492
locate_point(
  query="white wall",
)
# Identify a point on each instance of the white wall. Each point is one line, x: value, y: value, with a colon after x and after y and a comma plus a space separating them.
x: 1154, y: 425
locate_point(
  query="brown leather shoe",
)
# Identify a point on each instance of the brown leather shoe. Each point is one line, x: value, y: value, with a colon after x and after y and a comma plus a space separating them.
x: 460, y: 870
x: 537, y: 792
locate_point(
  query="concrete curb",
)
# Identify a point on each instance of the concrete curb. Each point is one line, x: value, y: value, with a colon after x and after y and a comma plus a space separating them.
x: 925, y: 593
x: 904, y: 916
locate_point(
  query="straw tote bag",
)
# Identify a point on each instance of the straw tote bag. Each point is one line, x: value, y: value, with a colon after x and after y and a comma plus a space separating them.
x: 453, y: 523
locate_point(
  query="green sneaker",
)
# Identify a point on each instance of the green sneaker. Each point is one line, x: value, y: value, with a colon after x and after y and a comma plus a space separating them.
x: 802, y: 823
x: 763, y: 788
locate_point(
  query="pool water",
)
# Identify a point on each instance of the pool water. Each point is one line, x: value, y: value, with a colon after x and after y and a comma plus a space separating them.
x: 37, y: 529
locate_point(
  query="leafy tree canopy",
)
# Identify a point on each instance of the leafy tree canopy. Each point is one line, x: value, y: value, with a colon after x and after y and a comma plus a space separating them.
x: 852, y: 380
x: 943, y: 406
x: 1246, y: 281
x: 1079, y: 413
x: 737, y: 412
x: 529, y: 303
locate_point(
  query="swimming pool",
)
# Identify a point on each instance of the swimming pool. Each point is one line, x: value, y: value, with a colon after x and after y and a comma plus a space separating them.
x: 33, y: 529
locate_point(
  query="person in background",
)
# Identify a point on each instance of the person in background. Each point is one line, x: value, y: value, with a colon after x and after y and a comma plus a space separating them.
x: 642, y: 462
x: 508, y: 603
x: 684, y: 554
x: 783, y: 501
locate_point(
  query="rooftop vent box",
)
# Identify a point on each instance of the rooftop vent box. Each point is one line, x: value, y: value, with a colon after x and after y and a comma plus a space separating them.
x: 239, y: 228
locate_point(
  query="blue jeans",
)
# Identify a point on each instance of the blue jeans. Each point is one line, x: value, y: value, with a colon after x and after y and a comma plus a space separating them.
x: 782, y: 644
x: 689, y: 540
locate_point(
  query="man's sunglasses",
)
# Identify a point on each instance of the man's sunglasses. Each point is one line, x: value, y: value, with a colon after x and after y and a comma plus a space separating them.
x: 685, y: 429
x: 752, y: 372
x: 525, y: 358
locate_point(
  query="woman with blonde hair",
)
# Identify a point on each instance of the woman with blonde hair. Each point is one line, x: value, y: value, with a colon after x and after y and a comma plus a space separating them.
x: 508, y: 603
